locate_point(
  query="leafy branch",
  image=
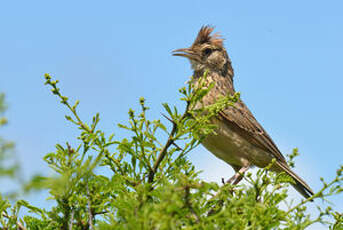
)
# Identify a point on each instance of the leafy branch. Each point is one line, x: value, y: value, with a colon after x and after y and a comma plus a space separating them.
x: 145, y: 181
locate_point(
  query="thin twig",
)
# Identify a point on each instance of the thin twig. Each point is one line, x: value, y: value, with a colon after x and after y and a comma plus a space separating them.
x: 20, y: 226
x: 169, y: 119
x: 71, y: 220
x: 178, y: 147
x: 166, y: 146
x: 90, y: 214
x: 100, y: 213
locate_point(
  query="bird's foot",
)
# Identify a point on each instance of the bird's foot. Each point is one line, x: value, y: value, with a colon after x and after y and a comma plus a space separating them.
x: 235, y: 179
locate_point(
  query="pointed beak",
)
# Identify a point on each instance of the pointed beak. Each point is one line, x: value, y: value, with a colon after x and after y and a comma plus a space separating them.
x: 185, y: 52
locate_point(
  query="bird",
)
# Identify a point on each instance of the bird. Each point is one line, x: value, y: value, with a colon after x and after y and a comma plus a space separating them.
x: 239, y: 139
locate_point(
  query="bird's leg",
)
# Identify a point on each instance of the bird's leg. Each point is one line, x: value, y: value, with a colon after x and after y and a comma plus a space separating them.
x: 235, y: 179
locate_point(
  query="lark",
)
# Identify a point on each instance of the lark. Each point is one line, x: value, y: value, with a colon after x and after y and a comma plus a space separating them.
x: 239, y: 139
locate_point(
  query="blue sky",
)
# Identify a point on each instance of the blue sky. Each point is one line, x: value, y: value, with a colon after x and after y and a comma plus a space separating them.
x: 287, y: 58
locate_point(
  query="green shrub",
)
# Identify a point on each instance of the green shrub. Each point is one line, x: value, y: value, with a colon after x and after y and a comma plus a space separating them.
x: 146, y: 182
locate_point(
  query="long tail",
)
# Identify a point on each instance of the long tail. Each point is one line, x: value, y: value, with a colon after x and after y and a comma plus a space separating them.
x: 300, y: 185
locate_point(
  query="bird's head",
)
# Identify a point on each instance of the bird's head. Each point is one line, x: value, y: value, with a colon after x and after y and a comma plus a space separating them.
x: 207, y: 52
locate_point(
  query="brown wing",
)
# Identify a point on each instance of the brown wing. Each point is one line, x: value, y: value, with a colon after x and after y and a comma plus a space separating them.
x: 241, y: 119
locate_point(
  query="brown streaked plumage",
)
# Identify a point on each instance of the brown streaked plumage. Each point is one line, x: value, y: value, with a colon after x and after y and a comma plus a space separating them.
x: 239, y: 139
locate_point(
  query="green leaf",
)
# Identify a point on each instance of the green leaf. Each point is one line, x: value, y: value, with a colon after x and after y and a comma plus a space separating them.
x: 167, y: 108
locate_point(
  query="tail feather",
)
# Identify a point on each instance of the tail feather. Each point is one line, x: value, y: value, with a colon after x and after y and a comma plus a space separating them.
x: 300, y: 185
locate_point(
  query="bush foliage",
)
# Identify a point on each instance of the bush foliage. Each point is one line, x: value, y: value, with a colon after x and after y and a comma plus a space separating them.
x: 146, y: 181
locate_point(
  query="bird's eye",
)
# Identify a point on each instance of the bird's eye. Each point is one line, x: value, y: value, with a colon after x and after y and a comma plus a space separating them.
x: 207, y: 51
